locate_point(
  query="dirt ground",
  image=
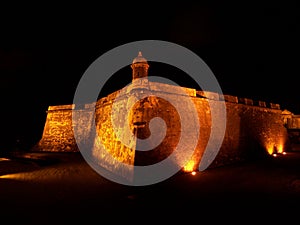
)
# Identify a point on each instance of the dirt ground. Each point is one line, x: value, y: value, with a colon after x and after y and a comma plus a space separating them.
x: 61, y: 188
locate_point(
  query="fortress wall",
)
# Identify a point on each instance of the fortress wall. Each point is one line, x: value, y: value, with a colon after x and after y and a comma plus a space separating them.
x: 153, y: 107
x: 253, y: 128
x: 251, y: 132
x: 108, y: 143
x: 58, y: 133
x: 82, y: 126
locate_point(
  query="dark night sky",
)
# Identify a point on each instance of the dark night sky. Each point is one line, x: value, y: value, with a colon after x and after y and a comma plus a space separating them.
x: 253, y: 50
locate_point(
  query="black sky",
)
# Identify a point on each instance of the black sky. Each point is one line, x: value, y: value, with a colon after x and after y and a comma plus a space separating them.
x: 252, y: 49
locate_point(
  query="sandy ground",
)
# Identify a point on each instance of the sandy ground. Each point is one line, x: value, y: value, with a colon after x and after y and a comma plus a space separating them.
x: 61, y: 188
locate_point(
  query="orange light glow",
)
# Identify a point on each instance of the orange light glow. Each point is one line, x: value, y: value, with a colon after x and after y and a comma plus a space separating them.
x: 9, y: 176
x: 189, y: 167
x: 284, y: 153
x: 193, y: 173
x: 279, y: 148
x: 274, y: 148
x: 4, y: 159
x: 274, y: 154
x: 270, y: 149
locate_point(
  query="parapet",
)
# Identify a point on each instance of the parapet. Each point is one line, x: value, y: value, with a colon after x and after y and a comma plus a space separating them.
x: 61, y: 107
x: 246, y: 101
x: 234, y: 99
x: 229, y: 98
x: 174, y: 90
x: 262, y: 104
x: 274, y: 106
x: 208, y: 94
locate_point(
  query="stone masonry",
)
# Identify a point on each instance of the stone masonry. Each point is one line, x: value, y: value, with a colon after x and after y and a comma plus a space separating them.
x: 253, y: 128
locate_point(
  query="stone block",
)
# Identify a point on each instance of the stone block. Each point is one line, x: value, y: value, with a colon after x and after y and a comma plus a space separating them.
x: 208, y: 95
x: 274, y: 106
x: 60, y: 107
x: 229, y: 98
x: 246, y: 101
x: 262, y: 104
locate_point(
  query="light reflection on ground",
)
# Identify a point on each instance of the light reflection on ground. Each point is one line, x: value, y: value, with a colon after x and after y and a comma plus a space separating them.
x: 4, y: 159
x: 69, y: 189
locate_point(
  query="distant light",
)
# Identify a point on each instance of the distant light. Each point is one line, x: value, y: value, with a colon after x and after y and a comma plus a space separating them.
x: 4, y: 159
x: 275, y: 155
x: 284, y: 153
x: 18, y: 176
x: 193, y: 173
x: 8, y: 176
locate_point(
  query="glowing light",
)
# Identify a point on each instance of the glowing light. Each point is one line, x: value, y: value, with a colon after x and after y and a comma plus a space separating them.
x: 189, y: 167
x: 279, y: 148
x: 25, y: 176
x: 274, y: 154
x: 274, y: 148
x: 4, y: 159
x: 9, y: 176
x: 270, y: 149
x: 193, y: 173
x: 284, y: 153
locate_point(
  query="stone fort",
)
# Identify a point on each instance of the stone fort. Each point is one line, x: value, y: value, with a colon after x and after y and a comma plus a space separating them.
x: 253, y: 128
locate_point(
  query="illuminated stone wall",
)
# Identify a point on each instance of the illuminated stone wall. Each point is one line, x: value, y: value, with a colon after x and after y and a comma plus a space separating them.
x: 253, y: 128
x: 58, y: 133
x: 108, y: 147
x: 251, y: 131
x: 292, y: 123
